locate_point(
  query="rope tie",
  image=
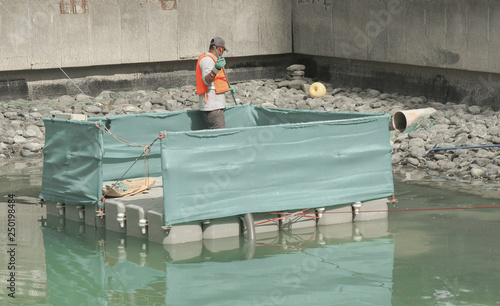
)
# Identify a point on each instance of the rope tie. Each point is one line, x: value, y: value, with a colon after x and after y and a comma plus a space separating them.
x: 146, y: 151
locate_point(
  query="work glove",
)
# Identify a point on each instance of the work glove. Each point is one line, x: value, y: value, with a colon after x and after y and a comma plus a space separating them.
x: 233, y: 90
x: 219, y: 64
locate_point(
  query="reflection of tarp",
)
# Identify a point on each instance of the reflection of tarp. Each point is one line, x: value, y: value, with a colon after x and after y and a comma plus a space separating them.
x: 77, y: 275
x: 347, y: 274
x: 274, y: 158
x: 328, y: 159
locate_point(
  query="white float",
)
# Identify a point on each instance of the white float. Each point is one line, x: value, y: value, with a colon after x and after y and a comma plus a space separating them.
x: 317, y: 90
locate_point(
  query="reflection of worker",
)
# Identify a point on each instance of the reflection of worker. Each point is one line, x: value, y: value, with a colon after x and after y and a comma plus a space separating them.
x: 211, y: 84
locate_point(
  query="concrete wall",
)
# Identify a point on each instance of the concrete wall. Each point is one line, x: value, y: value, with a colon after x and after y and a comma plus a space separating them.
x: 109, y: 32
x: 135, y: 44
x: 447, y: 50
x: 457, y: 34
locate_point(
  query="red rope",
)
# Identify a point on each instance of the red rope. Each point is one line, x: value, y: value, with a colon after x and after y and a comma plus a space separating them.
x: 422, y: 209
x: 303, y: 214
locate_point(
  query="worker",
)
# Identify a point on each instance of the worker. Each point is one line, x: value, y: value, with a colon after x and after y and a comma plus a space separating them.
x: 212, y: 84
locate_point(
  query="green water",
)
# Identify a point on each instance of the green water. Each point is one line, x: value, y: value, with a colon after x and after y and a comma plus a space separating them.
x: 429, y: 257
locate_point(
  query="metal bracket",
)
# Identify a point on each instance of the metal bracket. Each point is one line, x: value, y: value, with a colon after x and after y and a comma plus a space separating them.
x: 356, y: 206
x: 81, y: 211
x: 143, y: 223
x: 99, y: 213
x: 121, y: 218
x: 60, y: 206
x: 167, y: 229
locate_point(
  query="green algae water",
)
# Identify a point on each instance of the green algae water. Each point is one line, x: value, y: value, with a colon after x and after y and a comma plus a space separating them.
x: 425, y: 257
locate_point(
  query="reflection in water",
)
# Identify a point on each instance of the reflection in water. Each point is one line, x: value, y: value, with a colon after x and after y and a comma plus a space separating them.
x: 311, y: 266
x: 445, y: 257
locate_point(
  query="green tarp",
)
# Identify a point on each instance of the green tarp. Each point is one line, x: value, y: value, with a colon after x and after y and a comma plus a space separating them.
x: 265, y: 160
x: 217, y: 173
x: 72, y: 164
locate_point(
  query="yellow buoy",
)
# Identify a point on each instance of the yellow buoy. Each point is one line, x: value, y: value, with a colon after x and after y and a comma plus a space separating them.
x: 317, y: 90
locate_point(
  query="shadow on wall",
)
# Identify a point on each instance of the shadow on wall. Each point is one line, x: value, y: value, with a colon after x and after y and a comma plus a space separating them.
x: 13, y: 88
x: 48, y: 83
x: 439, y: 84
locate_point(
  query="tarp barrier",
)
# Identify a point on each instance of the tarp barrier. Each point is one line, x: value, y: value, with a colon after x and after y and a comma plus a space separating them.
x: 73, y: 154
x: 265, y: 160
x: 140, y: 129
x: 143, y: 129
x: 218, y: 173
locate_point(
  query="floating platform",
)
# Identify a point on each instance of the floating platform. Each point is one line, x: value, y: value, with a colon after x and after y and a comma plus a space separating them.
x: 141, y: 216
x: 287, y: 170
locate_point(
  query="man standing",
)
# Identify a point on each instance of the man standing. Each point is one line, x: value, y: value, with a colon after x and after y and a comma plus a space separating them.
x: 211, y: 84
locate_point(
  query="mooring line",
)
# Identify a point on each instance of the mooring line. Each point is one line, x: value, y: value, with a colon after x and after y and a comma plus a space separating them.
x: 53, y: 60
x: 424, y: 209
x: 410, y: 209
x: 315, y: 214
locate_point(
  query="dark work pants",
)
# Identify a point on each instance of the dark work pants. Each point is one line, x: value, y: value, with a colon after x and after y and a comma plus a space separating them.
x: 214, y: 119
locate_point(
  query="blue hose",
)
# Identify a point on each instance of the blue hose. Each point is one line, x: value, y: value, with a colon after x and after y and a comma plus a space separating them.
x: 455, y: 148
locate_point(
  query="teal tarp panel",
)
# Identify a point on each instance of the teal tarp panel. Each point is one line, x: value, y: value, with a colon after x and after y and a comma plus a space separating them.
x: 69, y: 144
x: 218, y: 173
x: 272, y: 116
x: 73, y: 154
x: 140, y: 129
x: 345, y: 274
x: 143, y: 129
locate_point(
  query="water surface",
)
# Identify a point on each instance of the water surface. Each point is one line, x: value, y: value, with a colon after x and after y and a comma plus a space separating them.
x: 427, y: 257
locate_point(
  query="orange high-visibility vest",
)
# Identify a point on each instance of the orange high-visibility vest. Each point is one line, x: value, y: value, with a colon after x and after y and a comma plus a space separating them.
x: 220, y: 80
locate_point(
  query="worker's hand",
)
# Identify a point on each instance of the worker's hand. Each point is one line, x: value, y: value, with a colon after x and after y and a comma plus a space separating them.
x: 233, y: 90
x: 219, y: 64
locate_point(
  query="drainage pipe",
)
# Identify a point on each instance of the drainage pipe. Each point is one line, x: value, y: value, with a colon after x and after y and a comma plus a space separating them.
x: 401, y: 120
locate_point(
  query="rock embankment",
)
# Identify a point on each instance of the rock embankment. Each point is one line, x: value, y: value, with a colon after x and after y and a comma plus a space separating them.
x: 452, y: 125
